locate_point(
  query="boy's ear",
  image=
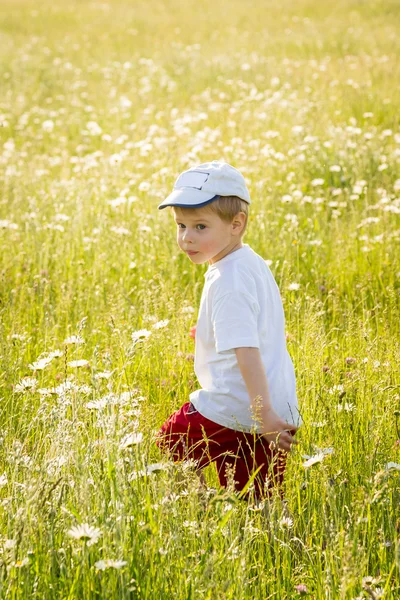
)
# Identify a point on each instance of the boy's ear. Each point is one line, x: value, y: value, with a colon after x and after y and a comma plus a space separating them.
x: 238, y: 223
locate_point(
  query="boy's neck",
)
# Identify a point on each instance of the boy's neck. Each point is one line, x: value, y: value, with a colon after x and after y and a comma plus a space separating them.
x: 225, y: 252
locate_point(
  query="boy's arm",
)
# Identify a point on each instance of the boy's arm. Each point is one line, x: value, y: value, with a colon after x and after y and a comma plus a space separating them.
x: 253, y: 373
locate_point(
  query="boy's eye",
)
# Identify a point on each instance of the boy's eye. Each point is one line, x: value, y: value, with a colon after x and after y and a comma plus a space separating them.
x: 182, y: 226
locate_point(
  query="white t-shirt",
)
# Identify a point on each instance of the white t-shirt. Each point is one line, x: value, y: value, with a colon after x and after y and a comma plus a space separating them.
x: 241, y: 306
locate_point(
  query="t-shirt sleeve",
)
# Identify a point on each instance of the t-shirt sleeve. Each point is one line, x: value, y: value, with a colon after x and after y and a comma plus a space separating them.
x: 234, y: 320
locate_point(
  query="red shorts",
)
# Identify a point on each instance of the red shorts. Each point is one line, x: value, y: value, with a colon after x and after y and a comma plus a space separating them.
x: 186, y: 434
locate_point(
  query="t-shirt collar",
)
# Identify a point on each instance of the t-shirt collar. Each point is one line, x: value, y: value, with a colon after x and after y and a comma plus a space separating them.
x: 231, y: 256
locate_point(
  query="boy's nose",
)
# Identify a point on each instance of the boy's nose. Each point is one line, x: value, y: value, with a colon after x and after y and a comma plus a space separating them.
x: 186, y: 236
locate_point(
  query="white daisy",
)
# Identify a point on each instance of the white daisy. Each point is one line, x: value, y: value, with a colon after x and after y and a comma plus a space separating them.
x: 74, y: 340
x: 97, y: 404
x: 103, y: 375
x: 286, y: 522
x: 27, y: 383
x: 132, y: 439
x: 102, y: 565
x: 141, y: 334
x: 161, y: 324
x: 78, y: 363
x: 317, y: 182
x: 41, y: 364
x: 312, y: 460
x: 85, y: 532
x: 392, y: 465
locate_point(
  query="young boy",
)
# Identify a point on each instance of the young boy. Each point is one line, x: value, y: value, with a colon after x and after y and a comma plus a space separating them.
x: 245, y: 414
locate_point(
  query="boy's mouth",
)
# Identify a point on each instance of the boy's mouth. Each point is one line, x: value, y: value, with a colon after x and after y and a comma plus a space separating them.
x: 190, y: 252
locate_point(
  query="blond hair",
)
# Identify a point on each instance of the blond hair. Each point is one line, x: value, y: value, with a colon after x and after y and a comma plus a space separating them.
x: 226, y: 207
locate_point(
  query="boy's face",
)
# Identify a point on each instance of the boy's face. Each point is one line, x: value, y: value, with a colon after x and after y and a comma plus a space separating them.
x: 204, y: 236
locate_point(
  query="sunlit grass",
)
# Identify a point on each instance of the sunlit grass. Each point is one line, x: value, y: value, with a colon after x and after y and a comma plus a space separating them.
x: 102, y: 105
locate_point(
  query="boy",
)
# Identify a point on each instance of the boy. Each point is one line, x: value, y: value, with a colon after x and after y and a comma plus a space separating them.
x: 243, y: 417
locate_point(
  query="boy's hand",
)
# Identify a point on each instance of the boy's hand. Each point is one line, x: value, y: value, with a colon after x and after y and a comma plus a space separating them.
x: 192, y: 332
x: 277, y: 431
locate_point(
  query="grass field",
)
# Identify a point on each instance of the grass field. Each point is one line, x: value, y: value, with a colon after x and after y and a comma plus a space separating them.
x: 102, y: 105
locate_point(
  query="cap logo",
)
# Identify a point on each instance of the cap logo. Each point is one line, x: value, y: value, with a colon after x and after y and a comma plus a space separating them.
x: 193, y: 179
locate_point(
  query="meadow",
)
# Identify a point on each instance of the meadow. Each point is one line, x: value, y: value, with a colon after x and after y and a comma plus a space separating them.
x: 102, y: 105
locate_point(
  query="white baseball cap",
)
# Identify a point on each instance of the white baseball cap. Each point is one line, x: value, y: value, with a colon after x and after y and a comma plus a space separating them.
x: 201, y: 185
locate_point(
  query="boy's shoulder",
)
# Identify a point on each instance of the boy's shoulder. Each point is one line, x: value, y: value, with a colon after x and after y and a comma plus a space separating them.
x: 234, y: 276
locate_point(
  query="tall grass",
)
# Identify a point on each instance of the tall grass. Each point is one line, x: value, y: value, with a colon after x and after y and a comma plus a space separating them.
x: 102, y: 105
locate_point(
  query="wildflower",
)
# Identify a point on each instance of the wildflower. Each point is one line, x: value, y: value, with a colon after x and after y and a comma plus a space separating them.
x: 319, y: 457
x: 368, y: 580
x: 48, y: 126
x: 94, y: 128
x: 335, y: 169
x: 18, y: 564
x: 347, y: 406
x: 78, y: 363
x: 286, y: 523
x: 336, y: 388
x: 27, y: 383
x: 103, y: 375
x: 190, y: 524
x: 313, y: 460
x: 120, y: 230
x: 149, y: 470
x: 85, y: 532
x: 132, y: 439
x: 97, y: 404
x: 350, y: 360
x: 115, y: 159
x: 3, y: 479
x: 140, y: 335
x: 294, y: 286
x: 301, y: 588
x: 392, y: 465
x: 41, y: 364
x: 317, y: 182
x: 117, y: 201
x: 21, y: 337
x: 74, y: 340
x: 6, y: 224
x: 161, y: 324
x: 102, y: 565
x: 187, y: 309
x: 368, y: 221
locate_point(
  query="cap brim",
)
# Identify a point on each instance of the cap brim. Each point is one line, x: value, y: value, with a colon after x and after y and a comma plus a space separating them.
x: 187, y: 198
